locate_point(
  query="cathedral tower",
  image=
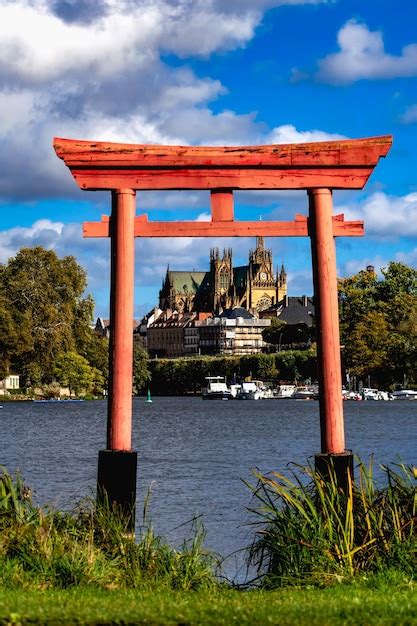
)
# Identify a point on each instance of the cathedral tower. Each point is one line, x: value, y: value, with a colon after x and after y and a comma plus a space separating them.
x: 221, y: 272
x: 252, y: 286
x: 262, y: 287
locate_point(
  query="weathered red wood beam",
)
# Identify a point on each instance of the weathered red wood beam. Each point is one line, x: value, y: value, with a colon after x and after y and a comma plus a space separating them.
x: 231, y: 178
x: 221, y: 206
x: 334, y: 164
x: 297, y: 228
x: 366, y: 151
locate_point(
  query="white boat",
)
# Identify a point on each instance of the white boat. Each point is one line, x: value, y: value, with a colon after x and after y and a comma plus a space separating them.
x: 404, y: 394
x: 305, y: 393
x: 375, y: 394
x: 250, y: 391
x: 234, y: 389
x: 370, y: 394
x: 285, y: 391
x: 216, y: 389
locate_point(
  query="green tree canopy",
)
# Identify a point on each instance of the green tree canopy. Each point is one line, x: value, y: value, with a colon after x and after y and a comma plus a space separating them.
x: 274, y: 333
x: 73, y: 371
x: 44, y: 313
x: 141, y: 374
x: 378, y: 323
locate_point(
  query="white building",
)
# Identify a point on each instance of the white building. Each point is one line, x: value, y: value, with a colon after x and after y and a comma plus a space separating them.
x: 9, y: 383
x: 235, y: 331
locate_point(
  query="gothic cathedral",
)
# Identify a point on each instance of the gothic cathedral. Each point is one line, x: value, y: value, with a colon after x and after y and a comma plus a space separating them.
x: 253, y: 286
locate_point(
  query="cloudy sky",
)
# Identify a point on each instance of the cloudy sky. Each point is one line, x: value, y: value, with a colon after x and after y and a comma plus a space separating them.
x: 204, y: 72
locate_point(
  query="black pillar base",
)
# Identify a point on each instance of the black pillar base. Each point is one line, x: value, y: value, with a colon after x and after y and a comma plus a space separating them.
x: 340, y: 464
x: 116, y: 483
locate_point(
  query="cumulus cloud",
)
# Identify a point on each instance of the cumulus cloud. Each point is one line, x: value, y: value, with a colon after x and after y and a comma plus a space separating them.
x: 96, y: 69
x: 93, y: 254
x: 362, y: 55
x: 384, y: 215
x: 289, y: 134
x: 64, y: 239
x: 42, y: 233
x: 39, y: 46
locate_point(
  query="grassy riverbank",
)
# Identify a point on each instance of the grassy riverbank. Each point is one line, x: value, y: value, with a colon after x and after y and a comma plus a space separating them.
x: 387, y: 602
x: 326, y: 557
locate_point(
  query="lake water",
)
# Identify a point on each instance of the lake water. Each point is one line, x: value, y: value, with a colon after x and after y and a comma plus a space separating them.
x: 194, y: 454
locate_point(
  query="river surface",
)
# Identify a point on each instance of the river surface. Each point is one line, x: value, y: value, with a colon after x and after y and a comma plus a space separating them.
x: 192, y: 453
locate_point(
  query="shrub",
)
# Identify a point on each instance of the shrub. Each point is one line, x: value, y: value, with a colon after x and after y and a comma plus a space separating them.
x: 42, y: 548
x: 311, y: 531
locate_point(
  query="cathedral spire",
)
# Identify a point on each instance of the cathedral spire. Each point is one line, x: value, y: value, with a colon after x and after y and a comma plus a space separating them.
x: 167, y: 281
x: 260, y: 243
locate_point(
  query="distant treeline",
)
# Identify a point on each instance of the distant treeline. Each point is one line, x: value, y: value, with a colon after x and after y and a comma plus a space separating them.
x: 187, y: 375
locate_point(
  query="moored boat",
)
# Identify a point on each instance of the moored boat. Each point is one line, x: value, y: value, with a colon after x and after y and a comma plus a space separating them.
x: 306, y: 393
x: 250, y: 391
x: 404, y: 394
x: 285, y: 391
x: 375, y: 394
x: 216, y: 389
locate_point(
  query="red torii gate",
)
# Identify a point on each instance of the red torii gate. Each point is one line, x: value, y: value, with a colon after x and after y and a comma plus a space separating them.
x: 124, y: 168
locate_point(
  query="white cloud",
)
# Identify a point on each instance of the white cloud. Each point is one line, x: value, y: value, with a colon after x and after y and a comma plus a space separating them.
x: 384, y: 215
x: 94, y: 69
x: 409, y: 258
x: 42, y: 233
x: 353, y: 266
x: 203, y: 217
x: 362, y: 56
x: 289, y: 134
x: 410, y: 115
x: 39, y: 47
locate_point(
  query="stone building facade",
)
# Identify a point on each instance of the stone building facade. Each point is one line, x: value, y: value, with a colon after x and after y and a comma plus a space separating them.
x: 254, y: 286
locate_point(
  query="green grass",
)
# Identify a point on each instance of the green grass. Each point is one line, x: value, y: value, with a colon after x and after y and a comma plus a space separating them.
x: 354, y: 604
x: 325, y: 558
x: 45, y: 549
x: 310, y: 531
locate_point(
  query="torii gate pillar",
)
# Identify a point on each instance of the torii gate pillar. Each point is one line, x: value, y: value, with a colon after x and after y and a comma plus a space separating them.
x: 117, y: 465
x: 315, y: 167
x: 323, y: 253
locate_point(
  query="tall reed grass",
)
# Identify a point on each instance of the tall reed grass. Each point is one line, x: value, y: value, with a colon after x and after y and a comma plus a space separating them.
x: 41, y: 548
x: 311, y: 531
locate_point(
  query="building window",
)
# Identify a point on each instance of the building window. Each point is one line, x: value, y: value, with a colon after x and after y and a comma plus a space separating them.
x: 224, y: 278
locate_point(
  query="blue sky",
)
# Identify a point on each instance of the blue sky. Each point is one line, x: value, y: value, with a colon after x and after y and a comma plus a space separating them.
x: 204, y: 72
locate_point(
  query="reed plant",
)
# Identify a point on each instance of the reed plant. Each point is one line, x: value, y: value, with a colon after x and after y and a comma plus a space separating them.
x: 41, y: 548
x: 311, y: 531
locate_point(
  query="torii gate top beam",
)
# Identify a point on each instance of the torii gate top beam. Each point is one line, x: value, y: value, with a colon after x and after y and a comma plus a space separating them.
x: 343, y: 164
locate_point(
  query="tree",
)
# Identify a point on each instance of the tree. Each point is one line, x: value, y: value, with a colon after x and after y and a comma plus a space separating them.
x: 8, y: 337
x: 357, y: 296
x: 378, y: 323
x: 273, y: 334
x: 73, y: 371
x: 367, y: 348
x: 95, y: 349
x: 282, y: 334
x: 141, y: 373
x: 47, y: 308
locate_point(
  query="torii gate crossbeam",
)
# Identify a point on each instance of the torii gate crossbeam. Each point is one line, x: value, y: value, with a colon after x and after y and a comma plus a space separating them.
x: 318, y: 168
